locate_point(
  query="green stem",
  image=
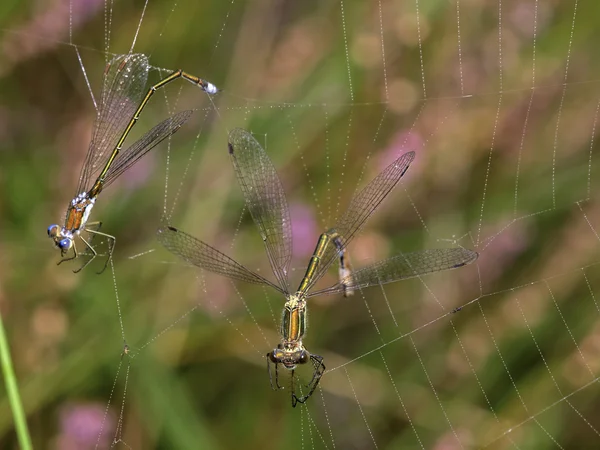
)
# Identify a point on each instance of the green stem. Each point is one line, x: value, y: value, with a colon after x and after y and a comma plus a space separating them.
x: 10, y: 380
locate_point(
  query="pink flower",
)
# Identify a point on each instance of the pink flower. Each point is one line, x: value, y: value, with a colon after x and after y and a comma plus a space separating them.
x: 304, y: 228
x: 83, y: 425
x: 402, y: 142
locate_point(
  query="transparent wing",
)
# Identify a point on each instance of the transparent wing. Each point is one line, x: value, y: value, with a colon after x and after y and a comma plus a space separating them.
x: 265, y: 200
x: 125, y: 79
x: 362, y: 206
x: 151, y: 139
x: 200, y: 254
x: 401, y: 267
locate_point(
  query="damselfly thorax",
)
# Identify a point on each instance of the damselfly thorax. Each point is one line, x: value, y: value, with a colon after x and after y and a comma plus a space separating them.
x: 290, y: 351
x: 78, y: 213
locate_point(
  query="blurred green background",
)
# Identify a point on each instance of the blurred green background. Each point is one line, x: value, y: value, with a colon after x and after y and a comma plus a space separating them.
x: 498, y: 99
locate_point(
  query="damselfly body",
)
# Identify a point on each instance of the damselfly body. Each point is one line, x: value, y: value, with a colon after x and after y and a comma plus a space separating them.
x: 121, y: 104
x: 265, y: 199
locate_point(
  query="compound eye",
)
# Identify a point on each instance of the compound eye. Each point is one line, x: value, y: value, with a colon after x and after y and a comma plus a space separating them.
x: 273, y: 358
x: 52, y: 230
x: 304, y: 357
x: 64, y: 244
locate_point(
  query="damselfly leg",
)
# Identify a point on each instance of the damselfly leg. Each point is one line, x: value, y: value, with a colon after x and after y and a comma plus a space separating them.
x: 110, y: 240
x: 318, y: 370
x: 269, y: 362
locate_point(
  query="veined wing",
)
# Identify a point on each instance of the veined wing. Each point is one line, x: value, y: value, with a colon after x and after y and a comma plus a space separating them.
x: 401, y: 267
x: 125, y: 79
x: 201, y: 254
x: 265, y: 200
x: 362, y: 206
x: 151, y: 139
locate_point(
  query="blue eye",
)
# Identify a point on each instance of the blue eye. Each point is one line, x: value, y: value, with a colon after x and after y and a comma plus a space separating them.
x: 65, y: 243
x: 52, y: 230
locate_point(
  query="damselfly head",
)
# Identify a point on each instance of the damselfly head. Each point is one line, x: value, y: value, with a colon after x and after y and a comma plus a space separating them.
x: 62, y: 242
x: 289, y: 355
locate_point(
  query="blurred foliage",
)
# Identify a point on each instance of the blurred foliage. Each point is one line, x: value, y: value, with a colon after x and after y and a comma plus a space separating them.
x: 506, y: 164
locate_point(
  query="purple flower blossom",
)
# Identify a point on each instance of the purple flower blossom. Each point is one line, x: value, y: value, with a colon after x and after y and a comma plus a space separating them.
x: 304, y: 228
x: 83, y: 425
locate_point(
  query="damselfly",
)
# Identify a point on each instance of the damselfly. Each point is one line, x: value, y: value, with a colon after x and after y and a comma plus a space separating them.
x: 265, y: 199
x: 121, y: 104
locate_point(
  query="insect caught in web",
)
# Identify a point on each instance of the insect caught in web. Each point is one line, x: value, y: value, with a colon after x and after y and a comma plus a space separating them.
x: 265, y: 199
x: 125, y: 79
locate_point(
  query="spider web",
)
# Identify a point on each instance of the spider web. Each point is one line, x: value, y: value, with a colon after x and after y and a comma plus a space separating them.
x: 500, y: 102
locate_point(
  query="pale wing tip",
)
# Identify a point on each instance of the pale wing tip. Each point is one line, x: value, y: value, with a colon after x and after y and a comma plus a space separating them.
x: 470, y: 256
x: 404, y: 162
x: 138, y: 56
x: 237, y: 133
x: 405, y: 158
x: 185, y: 114
x: 181, y: 117
x: 238, y: 137
x: 129, y: 57
x: 163, y: 231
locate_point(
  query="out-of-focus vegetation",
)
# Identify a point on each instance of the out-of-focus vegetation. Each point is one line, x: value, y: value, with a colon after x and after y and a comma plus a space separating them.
x: 506, y: 164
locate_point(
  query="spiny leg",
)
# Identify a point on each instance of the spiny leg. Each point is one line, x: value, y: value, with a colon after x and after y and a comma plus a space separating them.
x: 94, y: 254
x: 293, y: 390
x: 71, y: 258
x: 271, y: 375
x: 319, y: 369
x: 111, y: 245
x: 90, y: 243
x: 94, y: 226
x: 269, y: 370
x: 277, y: 377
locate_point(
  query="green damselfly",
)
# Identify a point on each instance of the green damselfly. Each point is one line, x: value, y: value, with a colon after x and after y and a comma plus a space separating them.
x: 121, y: 104
x: 265, y: 199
